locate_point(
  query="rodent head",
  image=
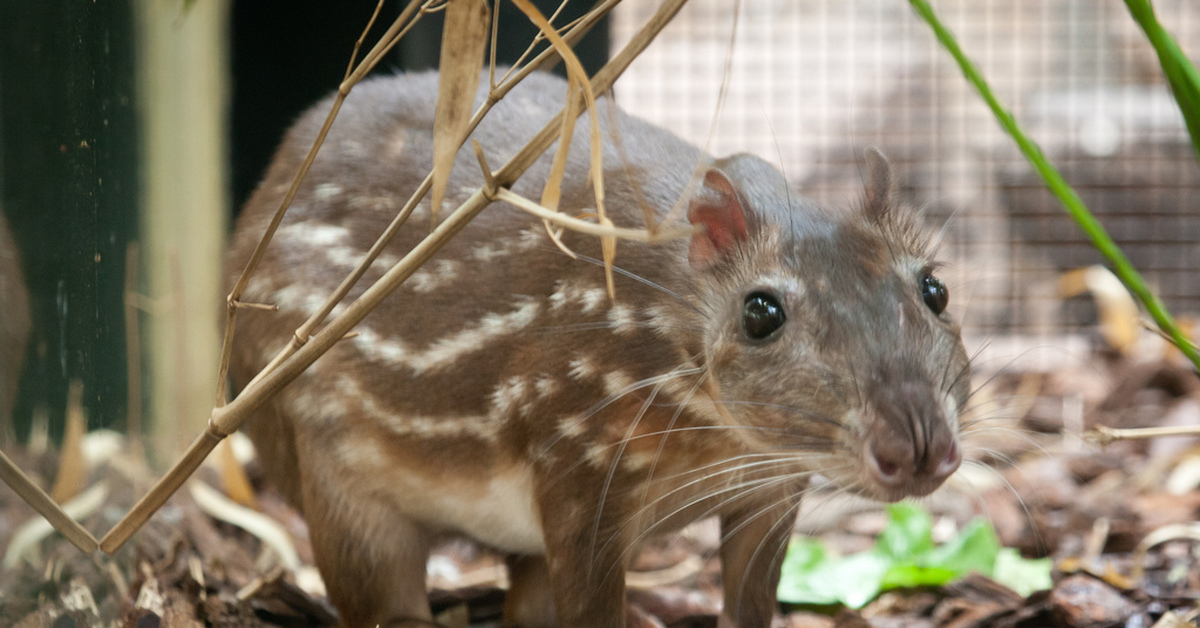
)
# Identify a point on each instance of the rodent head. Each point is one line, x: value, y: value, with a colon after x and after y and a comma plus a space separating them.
x: 828, y: 337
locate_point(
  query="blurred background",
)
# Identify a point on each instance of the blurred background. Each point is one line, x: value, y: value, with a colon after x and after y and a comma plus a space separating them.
x: 130, y: 131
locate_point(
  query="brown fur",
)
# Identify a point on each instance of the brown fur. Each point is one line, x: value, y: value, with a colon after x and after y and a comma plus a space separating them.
x: 501, y: 395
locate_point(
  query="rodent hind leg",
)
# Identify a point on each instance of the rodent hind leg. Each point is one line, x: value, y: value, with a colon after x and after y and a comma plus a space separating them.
x: 371, y: 557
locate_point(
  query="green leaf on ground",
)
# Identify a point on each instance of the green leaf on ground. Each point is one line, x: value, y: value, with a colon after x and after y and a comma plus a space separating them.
x: 904, y: 556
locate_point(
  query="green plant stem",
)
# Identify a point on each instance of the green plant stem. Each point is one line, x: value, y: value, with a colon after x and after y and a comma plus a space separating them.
x: 1181, y: 74
x: 1058, y: 186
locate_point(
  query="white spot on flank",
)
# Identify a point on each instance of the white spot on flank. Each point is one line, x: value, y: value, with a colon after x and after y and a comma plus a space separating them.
x: 592, y: 299
x: 565, y: 292
x: 562, y: 294
x: 636, y: 460
x: 373, y: 203
x: 620, y: 318
x: 327, y: 191
x: 301, y: 298
x: 617, y: 383
x: 314, y: 234
x: 598, y: 456
x: 532, y: 238
x: 434, y: 275
x: 572, y: 426
x: 508, y: 397
x: 352, y: 395
x: 348, y: 258
x: 475, y: 336
x: 545, y: 385
x: 580, y: 368
x: 660, y: 320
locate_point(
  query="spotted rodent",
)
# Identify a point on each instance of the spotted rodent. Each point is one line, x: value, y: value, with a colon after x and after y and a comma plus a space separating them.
x: 14, y: 325
x: 501, y: 395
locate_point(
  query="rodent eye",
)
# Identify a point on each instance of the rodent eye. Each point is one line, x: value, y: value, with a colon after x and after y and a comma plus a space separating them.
x: 934, y: 293
x: 762, y: 315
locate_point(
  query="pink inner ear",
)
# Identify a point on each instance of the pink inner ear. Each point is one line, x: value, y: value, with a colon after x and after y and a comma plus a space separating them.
x: 719, y: 210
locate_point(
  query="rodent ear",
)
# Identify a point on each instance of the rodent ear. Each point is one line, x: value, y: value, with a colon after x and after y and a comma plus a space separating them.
x: 878, y: 184
x: 717, y: 208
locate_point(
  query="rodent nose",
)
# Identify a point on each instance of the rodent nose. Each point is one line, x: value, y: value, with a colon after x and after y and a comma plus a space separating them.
x: 910, y: 447
x: 904, y: 467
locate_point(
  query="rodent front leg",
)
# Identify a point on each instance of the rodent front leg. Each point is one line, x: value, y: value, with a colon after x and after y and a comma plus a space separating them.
x: 585, y: 550
x: 529, y: 602
x: 754, y: 541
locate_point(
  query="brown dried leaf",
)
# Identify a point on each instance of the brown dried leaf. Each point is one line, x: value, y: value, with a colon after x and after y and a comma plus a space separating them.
x: 72, y: 469
x: 577, y: 76
x: 464, y: 38
x: 233, y: 476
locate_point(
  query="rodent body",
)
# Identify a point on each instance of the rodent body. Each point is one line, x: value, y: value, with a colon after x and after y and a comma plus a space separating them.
x: 500, y: 393
x: 14, y: 323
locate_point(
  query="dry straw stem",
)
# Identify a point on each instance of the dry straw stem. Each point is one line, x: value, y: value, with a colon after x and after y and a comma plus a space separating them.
x: 589, y: 228
x: 1105, y: 435
x: 464, y: 35
x: 32, y: 494
x: 577, y: 81
x: 225, y: 419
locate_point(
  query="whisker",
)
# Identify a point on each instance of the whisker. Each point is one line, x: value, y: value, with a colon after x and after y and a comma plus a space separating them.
x: 804, y: 413
x: 643, y: 281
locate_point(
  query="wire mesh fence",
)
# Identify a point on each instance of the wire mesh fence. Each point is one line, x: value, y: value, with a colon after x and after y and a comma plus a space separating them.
x: 813, y: 82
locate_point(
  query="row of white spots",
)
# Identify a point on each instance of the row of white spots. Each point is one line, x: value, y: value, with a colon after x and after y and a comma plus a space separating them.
x: 517, y: 395
x: 325, y: 192
x: 443, y: 426
x: 567, y: 293
x: 332, y: 241
x: 475, y: 336
x: 510, y: 397
x: 307, y: 233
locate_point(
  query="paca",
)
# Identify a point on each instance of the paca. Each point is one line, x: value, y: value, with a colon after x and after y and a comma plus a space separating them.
x: 502, y: 395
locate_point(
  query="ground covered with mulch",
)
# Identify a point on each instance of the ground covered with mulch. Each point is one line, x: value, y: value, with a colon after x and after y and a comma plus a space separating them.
x: 1119, y: 522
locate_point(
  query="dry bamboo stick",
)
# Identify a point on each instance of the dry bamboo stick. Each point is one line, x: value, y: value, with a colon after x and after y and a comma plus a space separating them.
x: 32, y: 494
x: 227, y: 418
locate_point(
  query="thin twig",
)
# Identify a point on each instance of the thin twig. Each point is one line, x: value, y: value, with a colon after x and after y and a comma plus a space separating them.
x: 1104, y: 435
x: 589, y: 228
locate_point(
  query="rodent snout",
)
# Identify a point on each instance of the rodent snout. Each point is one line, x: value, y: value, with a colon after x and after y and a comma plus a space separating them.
x: 910, y: 447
